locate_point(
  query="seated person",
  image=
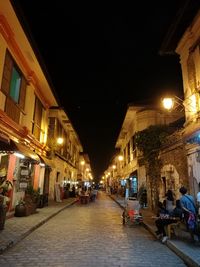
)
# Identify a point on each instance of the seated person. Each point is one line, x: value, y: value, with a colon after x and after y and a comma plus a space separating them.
x: 165, y: 218
x: 177, y: 211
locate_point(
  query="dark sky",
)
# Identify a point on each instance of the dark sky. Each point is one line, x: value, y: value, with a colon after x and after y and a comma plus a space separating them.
x: 100, y: 58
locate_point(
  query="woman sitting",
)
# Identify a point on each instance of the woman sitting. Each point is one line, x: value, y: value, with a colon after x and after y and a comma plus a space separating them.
x: 165, y: 218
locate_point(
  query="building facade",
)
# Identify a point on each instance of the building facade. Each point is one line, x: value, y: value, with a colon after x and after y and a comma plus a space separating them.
x: 27, y: 116
x: 131, y: 170
x: 183, y: 39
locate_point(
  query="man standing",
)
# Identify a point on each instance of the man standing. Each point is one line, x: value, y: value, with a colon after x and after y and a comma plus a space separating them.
x: 189, y: 210
x: 198, y: 200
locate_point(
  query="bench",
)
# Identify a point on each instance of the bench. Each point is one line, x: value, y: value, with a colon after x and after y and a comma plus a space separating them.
x: 170, y: 228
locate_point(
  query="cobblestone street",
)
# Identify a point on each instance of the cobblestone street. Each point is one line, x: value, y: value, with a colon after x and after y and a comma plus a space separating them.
x: 90, y: 235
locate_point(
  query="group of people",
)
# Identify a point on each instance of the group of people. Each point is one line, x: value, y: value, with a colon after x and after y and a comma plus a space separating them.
x: 91, y: 192
x: 185, y: 210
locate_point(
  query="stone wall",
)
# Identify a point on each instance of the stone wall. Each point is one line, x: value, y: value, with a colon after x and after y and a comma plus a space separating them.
x: 176, y: 158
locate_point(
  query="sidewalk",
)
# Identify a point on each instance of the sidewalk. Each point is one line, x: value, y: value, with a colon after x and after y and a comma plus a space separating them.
x: 17, y: 228
x: 187, y: 251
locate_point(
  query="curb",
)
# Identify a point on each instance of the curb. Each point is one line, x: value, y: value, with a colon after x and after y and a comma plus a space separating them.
x: 186, y: 258
x: 17, y: 240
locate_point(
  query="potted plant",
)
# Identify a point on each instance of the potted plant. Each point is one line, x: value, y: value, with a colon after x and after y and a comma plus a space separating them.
x: 31, y: 198
x: 20, y: 208
x: 5, y: 187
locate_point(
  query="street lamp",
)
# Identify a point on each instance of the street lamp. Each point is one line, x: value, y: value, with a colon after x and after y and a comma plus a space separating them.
x: 113, y: 170
x: 120, y: 157
x: 114, y: 167
x: 82, y: 162
x: 190, y: 104
x: 173, y: 103
x: 60, y: 140
x: 168, y: 103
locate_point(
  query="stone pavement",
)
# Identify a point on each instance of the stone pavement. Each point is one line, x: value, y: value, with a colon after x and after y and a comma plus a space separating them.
x: 17, y: 228
x: 189, y: 252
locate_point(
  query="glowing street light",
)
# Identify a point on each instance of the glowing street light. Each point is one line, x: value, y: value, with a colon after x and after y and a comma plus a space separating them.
x: 120, y: 157
x: 82, y: 162
x: 60, y: 140
x: 168, y: 103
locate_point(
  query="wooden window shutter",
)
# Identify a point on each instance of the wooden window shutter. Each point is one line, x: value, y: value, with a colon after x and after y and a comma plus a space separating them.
x: 22, y: 93
x: 191, y: 73
x: 7, y: 71
x: 38, y: 112
x: 37, y: 118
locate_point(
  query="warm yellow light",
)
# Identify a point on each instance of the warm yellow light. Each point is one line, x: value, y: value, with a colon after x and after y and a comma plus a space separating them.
x: 87, y: 169
x: 114, y: 167
x: 19, y: 155
x: 192, y: 104
x: 103, y: 177
x: 82, y: 162
x: 120, y: 157
x: 168, y: 103
x: 59, y: 140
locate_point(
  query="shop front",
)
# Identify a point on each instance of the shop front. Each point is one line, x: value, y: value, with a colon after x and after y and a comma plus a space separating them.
x: 46, y: 166
x: 132, y: 184
x: 21, y: 166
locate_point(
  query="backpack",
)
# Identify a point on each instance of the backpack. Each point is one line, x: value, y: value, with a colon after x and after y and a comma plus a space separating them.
x: 191, y: 221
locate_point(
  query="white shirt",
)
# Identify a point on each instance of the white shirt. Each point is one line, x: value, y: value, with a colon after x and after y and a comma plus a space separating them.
x: 198, y: 197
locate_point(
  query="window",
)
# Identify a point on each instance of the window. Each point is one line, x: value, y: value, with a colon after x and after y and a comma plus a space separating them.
x: 37, y: 118
x: 14, y: 87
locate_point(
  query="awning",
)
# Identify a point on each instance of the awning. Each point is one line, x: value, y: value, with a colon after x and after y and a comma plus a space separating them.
x: 7, y: 147
x: 46, y: 161
x: 27, y: 152
x: 13, y: 147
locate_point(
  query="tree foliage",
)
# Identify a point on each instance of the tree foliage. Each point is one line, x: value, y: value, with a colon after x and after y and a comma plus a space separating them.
x: 151, y: 139
x: 149, y: 142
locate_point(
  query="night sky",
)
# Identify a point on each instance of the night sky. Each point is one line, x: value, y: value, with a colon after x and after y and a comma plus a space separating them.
x: 100, y: 57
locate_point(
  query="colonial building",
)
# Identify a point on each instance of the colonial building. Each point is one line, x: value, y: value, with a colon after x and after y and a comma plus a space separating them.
x: 183, y: 39
x: 131, y: 171
x: 27, y: 116
x: 64, y: 148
